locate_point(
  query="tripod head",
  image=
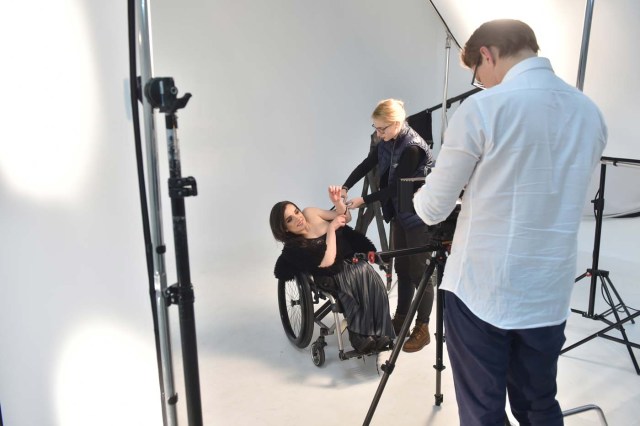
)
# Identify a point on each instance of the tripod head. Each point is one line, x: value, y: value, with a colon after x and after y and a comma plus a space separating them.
x: 161, y: 93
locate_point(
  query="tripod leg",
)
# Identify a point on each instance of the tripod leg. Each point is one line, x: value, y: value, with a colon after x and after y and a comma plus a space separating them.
x: 391, y: 362
x: 621, y: 329
x: 439, y: 336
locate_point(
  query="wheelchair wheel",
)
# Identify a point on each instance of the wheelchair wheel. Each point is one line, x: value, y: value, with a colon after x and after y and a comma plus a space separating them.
x: 317, y: 353
x: 296, y: 310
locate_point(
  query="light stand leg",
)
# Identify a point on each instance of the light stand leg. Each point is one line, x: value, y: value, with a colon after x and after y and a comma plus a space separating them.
x: 620, y: 328
x: 604, y: 278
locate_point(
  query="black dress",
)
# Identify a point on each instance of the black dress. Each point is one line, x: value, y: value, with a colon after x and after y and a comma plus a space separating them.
x: 358, y: 286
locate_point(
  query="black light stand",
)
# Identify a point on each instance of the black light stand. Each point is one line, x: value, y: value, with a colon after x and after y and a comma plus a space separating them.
x: 161, y: 93
x: 602, y: 276
x: 436, y: 263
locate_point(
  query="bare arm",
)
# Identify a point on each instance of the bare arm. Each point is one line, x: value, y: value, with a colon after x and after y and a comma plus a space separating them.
x: 332, y: 249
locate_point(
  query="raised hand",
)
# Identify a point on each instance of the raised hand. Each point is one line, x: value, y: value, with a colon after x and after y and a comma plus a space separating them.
x: 335, y: 193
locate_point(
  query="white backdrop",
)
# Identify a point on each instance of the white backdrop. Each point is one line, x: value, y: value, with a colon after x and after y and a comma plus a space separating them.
x: 282, y: 93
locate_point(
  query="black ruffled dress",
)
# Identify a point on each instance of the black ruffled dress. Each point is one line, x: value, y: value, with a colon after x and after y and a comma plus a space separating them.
x: 358, y: 287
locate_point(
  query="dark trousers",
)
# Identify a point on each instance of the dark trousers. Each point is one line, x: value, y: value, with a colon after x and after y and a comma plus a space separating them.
x: 410, y: 269
x: 488, y: 362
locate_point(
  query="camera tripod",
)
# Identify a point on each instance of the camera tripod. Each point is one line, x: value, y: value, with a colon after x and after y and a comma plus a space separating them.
x: 436, y: 263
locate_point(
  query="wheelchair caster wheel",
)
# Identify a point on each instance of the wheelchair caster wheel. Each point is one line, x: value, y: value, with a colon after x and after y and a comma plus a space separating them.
x: 317, y: 354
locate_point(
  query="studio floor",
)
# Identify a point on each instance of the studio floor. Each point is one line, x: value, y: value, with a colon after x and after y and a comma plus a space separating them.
x: 251, y: 375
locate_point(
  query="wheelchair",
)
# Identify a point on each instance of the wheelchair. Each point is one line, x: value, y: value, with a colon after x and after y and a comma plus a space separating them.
x: 296, y: 301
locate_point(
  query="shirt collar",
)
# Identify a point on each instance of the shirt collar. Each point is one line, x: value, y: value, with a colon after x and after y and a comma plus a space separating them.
x: 528, y: 64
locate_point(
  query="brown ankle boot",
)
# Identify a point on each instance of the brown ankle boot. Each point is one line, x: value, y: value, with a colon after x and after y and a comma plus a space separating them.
x: 397, y: 321
x: 419, y: 337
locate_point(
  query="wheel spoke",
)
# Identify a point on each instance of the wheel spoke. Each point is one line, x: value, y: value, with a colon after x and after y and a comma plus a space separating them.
x: 294, y: 310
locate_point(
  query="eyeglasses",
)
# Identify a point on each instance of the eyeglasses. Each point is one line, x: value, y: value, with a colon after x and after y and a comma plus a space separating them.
x: 474, y: 82
x: 381, y: 129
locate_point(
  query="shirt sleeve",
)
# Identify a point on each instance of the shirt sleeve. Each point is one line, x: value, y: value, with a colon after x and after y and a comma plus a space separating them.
x: 460, y: 152
x: 362, y: 169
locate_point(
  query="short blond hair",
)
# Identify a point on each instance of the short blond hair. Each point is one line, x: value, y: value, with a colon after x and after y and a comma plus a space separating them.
x: 390, y: 110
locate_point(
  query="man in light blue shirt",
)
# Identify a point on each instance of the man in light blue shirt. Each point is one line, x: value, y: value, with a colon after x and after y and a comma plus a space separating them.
x: 524, y: 152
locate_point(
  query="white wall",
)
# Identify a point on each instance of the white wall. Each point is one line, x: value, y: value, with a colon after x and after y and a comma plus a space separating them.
x: 282, y: 93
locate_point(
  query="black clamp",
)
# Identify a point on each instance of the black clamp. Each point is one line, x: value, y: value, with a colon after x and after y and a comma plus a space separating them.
x: 598, y: 203
x: 176, y: 295
x: 388, y: 367
x: 182, y: 187
x: 161, y: 92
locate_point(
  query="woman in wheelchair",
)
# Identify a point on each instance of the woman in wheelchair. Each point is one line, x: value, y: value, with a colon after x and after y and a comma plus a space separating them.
x: 319, y: 242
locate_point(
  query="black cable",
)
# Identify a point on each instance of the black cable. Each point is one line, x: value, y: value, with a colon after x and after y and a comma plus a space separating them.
x: 136, y: 95
x: 453, y: 100
x: 445, y: 24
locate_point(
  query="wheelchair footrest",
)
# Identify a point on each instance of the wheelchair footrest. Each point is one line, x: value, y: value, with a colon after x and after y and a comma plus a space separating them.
x: 350, y: 354
x: 345, y: 355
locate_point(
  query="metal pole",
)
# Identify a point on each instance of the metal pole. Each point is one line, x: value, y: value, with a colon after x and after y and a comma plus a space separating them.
x: 584, y: 50
x: 446, y: 88
x: 180, y: 187
x: 582, y: 65
x: 168, y: 394
x: 595, y: 272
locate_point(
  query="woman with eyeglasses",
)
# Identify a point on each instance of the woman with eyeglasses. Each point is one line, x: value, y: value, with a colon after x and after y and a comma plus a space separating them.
x: 400, y: 153
x: 319, y: 242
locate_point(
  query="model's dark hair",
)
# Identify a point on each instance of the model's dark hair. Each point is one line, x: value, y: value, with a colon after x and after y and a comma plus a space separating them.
x: 278, y: 227
x: 509, y: 36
